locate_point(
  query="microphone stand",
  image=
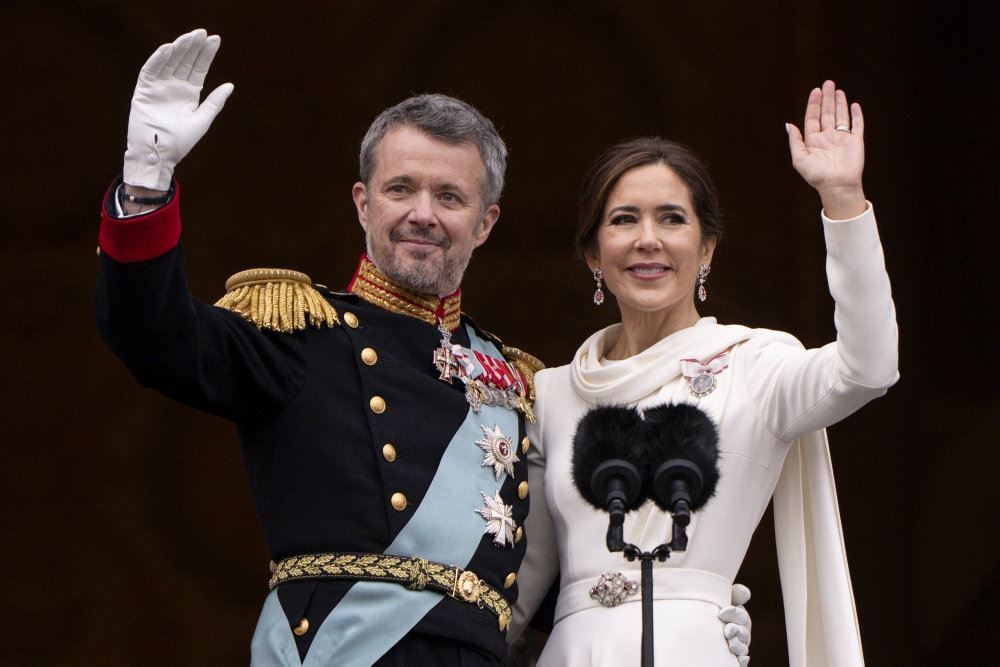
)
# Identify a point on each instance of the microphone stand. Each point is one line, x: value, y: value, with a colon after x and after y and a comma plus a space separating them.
x: 616, y: 485
x: 661, y: 553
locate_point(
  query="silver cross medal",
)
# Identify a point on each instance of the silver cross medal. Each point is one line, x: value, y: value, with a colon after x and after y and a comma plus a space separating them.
x: 444, y: 358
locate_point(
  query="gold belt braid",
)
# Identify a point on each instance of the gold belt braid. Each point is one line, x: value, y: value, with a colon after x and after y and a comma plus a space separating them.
x: 415, y: 573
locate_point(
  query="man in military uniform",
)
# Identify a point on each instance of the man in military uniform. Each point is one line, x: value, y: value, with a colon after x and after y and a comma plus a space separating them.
x: 383, y: 432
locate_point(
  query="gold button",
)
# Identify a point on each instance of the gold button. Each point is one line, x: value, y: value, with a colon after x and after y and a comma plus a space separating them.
x: 509, y: 581
x: 369, y: 356
x: 522, y: 490
x: 377, y: 404
x: 301, y: 628
x: 398, y: 501
x: 519, y: 534
x: 351, y: 320
x: 525, y: 444
x: 389, y: 452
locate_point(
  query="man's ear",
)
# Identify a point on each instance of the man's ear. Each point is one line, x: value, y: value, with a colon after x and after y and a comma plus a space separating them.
x: 360, y: 194
x: 490, y: 217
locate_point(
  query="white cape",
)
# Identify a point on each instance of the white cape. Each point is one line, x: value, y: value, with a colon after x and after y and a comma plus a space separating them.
x: 820, y: 618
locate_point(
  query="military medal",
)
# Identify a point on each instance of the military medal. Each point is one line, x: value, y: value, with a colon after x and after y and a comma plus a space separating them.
x: 488, y: 380
x: 701, y: 376
x: 499, y: 384
x: 444, y: 356
x: 500, y: 452
x: 499, y: 520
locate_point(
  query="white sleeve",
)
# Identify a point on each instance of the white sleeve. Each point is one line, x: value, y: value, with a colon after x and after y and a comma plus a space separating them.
x: 541, y: 559
x: 798, y: 391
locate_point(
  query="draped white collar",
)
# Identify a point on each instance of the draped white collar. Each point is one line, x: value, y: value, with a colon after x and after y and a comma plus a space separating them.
x: 600, y: 381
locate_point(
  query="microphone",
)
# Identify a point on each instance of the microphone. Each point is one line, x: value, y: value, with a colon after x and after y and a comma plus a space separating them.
x: 607, y: 458
x: 683, y: 454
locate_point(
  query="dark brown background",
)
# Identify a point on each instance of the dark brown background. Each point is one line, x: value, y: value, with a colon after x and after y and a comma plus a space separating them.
x: 128, y: 531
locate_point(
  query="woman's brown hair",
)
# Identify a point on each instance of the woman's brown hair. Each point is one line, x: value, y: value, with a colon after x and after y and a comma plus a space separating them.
x: 636, y: 153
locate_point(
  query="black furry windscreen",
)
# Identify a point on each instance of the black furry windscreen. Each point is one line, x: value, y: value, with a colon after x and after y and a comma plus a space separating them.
x: 683, y: 431
x: 608, y: 432
x: 661, y: 433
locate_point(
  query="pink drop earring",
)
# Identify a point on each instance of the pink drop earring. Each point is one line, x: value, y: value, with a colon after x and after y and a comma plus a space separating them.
x: 598, y: 293
x: 703, y: 272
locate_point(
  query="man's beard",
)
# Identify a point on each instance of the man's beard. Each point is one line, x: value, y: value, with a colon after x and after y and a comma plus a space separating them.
x: 418, y: 272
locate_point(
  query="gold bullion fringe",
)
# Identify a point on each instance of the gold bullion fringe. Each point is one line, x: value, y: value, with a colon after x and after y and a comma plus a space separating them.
x: 414, y: 573
x: 527, y: 364
x: 277, y: 299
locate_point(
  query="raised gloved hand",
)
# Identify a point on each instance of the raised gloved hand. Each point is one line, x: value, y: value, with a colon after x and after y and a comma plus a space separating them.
x: 166, y: 120
x: 737, y: 624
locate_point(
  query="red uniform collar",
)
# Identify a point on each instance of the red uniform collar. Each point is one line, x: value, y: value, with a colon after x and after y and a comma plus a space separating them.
x: 373, y: 286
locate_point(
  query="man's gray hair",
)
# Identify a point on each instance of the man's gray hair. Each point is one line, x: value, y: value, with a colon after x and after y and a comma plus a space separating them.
x: 447, y: 119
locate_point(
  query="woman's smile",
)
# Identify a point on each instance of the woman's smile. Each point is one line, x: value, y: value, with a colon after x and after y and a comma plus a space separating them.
x: 648, y: 271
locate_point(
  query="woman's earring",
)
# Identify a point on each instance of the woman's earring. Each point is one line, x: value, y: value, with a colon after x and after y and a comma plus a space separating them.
x: 598, y: 293
x: 703, y: 272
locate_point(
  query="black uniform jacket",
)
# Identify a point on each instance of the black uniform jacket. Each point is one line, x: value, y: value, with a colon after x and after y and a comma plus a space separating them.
x: 323, y: 466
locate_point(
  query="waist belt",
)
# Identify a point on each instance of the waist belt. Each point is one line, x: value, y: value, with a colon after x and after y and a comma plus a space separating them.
x: 415, y: 573
x: 669, y: 583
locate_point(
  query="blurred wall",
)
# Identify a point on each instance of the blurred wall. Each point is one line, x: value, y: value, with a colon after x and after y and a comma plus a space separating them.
x: 129, y: 532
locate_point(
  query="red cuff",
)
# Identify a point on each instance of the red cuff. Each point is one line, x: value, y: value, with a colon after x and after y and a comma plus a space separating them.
x: 143, y: 237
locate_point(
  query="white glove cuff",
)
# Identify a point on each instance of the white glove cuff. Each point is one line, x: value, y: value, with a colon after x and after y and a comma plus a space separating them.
x: 143, y: 167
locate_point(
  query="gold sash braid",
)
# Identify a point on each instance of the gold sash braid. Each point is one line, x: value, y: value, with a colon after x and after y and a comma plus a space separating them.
x: 415, y: 573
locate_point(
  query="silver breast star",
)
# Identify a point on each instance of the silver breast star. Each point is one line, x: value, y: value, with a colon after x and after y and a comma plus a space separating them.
x: 500, y: 453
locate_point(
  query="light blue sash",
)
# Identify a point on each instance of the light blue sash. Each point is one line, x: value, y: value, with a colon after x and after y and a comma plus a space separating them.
x: 446, y: 528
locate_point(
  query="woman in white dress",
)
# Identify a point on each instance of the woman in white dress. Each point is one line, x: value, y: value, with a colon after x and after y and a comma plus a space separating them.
x: 649, y: 226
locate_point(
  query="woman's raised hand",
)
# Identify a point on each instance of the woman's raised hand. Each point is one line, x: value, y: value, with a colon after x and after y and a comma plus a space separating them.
x: 830, y: 155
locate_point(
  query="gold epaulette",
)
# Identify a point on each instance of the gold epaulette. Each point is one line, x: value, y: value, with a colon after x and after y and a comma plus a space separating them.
x: 277, y: 299
x: 527, y: 364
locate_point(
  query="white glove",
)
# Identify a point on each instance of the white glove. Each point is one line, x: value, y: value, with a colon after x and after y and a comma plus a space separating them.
x: 737, y: 624
x: 166, y: 120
